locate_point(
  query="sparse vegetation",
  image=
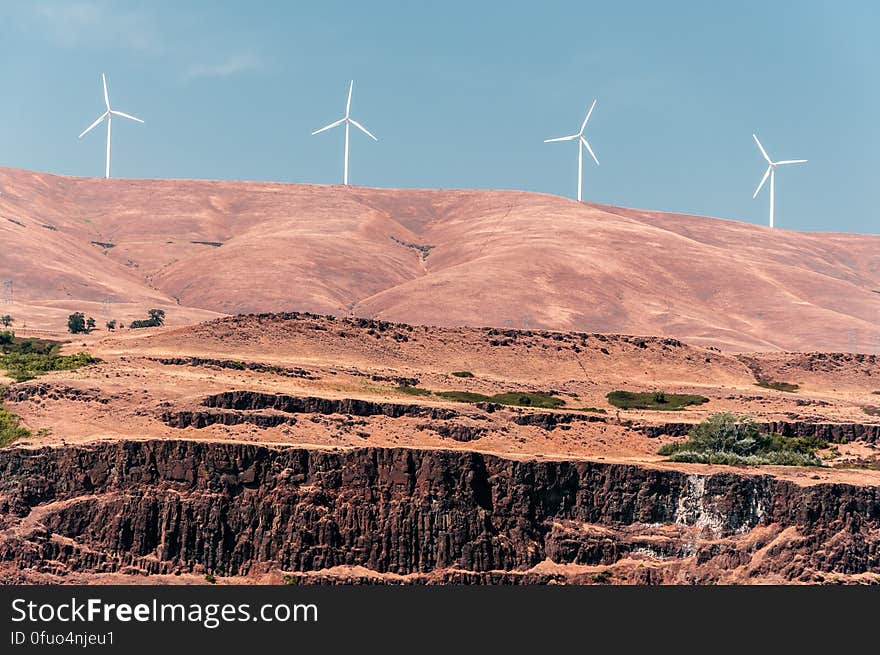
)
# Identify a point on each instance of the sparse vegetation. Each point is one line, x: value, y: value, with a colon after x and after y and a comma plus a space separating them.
x: 654, y: 400
x: 7, y: 320
x: 156, y: 319
x: 463, y: 374
x: 513, y: 398
x: 210, y: 578
x: 10, y: 428
x: 602, y: 577
x: 413, y: 391
x: 728, y: 438
x: 594, y: 410
x: 25, y: 359
x: 778, y: 386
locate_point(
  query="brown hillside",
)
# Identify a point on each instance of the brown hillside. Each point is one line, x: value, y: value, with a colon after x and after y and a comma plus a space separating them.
x: 496, y: 258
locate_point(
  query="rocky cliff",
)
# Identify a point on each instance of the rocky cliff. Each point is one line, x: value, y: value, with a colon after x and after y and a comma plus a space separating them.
x: 433, y: 515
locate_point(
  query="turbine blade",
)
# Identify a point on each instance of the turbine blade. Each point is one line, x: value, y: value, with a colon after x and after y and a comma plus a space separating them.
x: 106, y: 95
x: 792, y: 161
x: 94, y: 125
x: 763, y: 180
x: 348, y: 102
x: 362, y: 129
x: 124, y: 115
x: 589, y: 113
x: 562, y: 138
x: 590, y: 150
x: 763, y: 152
x: 327, y: 127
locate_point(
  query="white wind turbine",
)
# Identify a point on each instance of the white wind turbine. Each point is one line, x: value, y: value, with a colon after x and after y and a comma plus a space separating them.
x: 349, y: 121
x: 109, y: 114
x: 771, y: 172
x: 582, y: 143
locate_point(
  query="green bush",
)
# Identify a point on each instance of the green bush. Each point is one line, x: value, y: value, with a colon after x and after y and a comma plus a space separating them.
x: 413, y: 391
x: 26, y: 366
x: 10, y: 428
x: 464, y: 396
x: 778, y: 386
x: 542, y: 400
x: 594, y: 410
x: 512, y: 398
x: 463, y: 374
x: 657, y: 400
x: 6, y: 320
x: 728, y: 438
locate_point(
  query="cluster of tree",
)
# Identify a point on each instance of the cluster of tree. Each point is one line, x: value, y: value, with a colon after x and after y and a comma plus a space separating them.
x: 157, y: 319
x: 78, y: 323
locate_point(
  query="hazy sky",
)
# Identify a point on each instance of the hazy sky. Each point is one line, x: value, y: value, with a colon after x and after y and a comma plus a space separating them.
x: 462, y: 94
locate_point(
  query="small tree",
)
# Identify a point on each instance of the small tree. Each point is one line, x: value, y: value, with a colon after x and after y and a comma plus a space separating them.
x: 111, y: 325
x: 76, y: 323
x: 157, y: 316
x: 7, y: 320
x: 90, y: 324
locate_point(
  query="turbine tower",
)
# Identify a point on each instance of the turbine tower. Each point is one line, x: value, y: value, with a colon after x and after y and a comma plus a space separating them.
x: 349, y: 121
x: 109, y: 114
x: 771, y: 172
x: 582, y: 143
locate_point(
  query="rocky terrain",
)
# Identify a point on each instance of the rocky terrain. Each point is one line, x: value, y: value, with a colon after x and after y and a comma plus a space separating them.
x: 302, y: 448
x: 419, y: 516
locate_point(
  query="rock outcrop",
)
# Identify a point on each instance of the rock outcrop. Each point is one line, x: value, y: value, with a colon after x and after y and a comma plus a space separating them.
x: 240, y: 509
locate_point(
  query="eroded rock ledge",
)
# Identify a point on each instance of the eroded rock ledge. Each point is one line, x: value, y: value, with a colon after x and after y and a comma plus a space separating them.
x: 240, y: 509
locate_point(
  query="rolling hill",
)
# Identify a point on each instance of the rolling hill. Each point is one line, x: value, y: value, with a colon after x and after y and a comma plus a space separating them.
x: 200, y: 249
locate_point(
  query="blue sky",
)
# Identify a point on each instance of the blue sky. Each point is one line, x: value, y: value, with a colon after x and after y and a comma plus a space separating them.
x: 462, y: 94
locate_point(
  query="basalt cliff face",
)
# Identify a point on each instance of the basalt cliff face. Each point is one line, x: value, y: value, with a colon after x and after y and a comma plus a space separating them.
x: 418, y: 516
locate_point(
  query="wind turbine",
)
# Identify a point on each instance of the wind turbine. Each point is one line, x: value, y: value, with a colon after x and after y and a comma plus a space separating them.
x: 581, y: 142
x: 349, y: 121
x: 109, y: 114
x: 771, y: 172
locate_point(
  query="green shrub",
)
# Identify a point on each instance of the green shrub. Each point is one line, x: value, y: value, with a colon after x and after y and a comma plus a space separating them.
x: 210, y: 578
x: 26, y: 366
x: 733, y: 439
x: 464, y: 396
x: 512, y: 398
x: 542, y: 400
x: 463, y: 374
x: 6, y: 320
x: 413, y: 391
x: 10, y: 428
x: 657, y: 400
x: 778, y: 386
x: 594, y: 410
